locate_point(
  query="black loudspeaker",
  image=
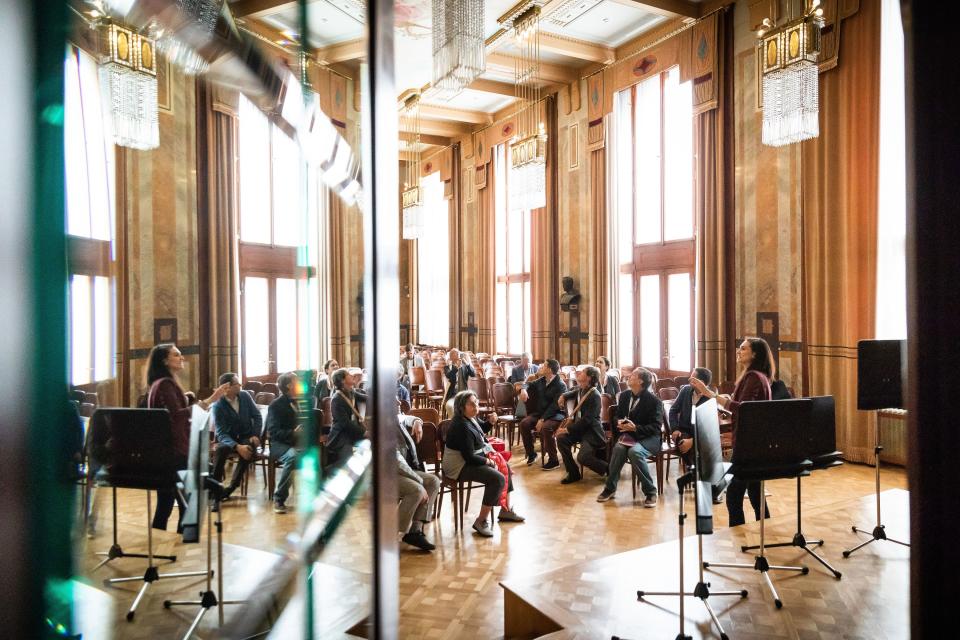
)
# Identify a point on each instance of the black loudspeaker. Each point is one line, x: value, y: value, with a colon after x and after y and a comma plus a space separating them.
x: 879, y: 379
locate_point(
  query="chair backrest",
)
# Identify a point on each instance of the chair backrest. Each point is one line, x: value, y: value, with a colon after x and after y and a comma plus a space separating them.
x: 92, y: 398
x: 623, y: 387
x: 434, y: 379
x: 479, y: 387
x: 404, y: 406
x: 606, y: 401
x: 427, y: 449
x: 681, y: 380
x: 428, y: 414
x: 668, y: 393
x: 270, y: 387
x: 504, y: 397
x: 265, y: 397
x: 327, y: 415
x: 253, y: 385
x: 79, y: 395
x: 87, y: 409
x: 134, y: 447
x: 418, y: 375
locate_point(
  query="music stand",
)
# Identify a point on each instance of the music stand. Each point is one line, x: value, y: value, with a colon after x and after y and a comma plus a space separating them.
x: 821, y: 440
x: 879, y: 386
x: 767, y: 448
x: 708, y: 470
x: 138, y: 454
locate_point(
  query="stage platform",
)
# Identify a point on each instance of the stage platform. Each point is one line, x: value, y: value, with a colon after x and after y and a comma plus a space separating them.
x: 598, y: 598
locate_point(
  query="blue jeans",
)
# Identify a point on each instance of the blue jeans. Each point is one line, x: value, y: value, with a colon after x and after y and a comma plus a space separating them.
x: 288, y: 459
x: 637, y: 455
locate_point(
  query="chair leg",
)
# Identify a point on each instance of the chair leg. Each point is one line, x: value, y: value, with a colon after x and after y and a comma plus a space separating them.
x: 271, y: 479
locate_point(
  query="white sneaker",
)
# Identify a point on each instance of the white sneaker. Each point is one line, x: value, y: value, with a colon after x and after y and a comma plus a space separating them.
x: 483, y: 529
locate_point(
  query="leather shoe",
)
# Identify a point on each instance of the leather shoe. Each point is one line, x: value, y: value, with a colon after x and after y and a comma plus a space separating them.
x: 418, y: 540
x: 509, y: 515
x: 571, y: 479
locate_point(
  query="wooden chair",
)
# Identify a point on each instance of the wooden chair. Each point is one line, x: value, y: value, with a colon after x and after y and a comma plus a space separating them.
x: 459, y: 490
x: 91, y: 398
x: 434, y: 387
x: 87, y: 409
x: 427, y: 414
x: 429, y: 451
x: 661, y: 460
x: 505, y: 405
x: 253, y: 385
x: 270, y: 387
x: 682, y: 380
x: 264, y: 397
x: 479, y: 386
x: 78, y: 395
x: 668, y: 393
x: 418, y: 380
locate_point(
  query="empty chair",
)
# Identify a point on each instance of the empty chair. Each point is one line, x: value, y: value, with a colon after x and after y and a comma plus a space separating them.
x: 253, y: 385
x: 668, y: 393
x: 504, y: 405
x: 265, y: 397
x: 270, y: 387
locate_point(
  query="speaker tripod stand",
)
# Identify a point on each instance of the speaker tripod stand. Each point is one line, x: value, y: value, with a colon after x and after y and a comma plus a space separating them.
x: 702, y: 590
x: 208, y: 598
x: 879, y: 532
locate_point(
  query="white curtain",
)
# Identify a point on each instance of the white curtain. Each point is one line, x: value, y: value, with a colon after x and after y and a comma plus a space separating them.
x: 433, y: 265
x: 891, y: 314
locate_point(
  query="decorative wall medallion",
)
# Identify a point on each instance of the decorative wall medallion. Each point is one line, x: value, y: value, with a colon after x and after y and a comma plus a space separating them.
x: 507, y: 130
x: 645, y: 64
x: 702, y: 47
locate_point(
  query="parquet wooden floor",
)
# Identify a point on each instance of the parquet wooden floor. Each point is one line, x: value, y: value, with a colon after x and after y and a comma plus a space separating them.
x: 454, y: 592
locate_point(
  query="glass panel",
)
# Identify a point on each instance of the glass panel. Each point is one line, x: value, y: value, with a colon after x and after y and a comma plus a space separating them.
x: 515, y: 253
x: 254, y: 149
x: 433, y: 257
x: 624, y: 169
x: 288, y: 215
x: 78, y: 195
x: 256, y: 327
x: 81, y: 331
x: 679, y: 315
x: 501, y: 310
x: 647, y: 161
x: 286, y: 324
x: 515, y: 318
x: 678, y: 158
x: 650, y: 321
x: 527, y: 324
x: 103, y: 329
x: 527, y: 240
x: 625, y: 336
x: 308, y: 338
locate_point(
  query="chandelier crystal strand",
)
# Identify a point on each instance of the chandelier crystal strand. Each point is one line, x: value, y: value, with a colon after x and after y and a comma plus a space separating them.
x: 412, y: 202
x: 527, y: 179
x: 458, y: 44
x: 128, y: 83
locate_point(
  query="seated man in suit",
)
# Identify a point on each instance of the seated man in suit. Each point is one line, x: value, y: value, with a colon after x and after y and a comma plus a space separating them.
x: 239, y: 425
x: 518, y: 378
x: 637, y: 435
x: 416, y: 488
x: 586, y: 428
x: 543, y: 413
x: 282, y: 429
x: 409, y: 360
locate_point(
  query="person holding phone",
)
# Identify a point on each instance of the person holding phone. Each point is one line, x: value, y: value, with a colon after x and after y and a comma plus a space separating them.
x: 637, y: 435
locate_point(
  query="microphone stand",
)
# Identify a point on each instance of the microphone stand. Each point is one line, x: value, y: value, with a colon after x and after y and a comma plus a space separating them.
x: 702, y: 590
x: 208, y: 598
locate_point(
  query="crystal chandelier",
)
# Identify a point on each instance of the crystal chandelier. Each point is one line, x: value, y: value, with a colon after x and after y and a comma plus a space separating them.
x: 128, y: 82
x: 528, y: 148
x: 458, y: 44
x: 412, y: 195
x: 195, y: 14
x: 788, y: 60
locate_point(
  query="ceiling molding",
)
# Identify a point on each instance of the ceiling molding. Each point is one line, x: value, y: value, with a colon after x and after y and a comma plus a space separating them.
x: 440, y: 141
x: 503, y: 64
x: 444, y: 128
x: 342, y: 52
x: 494, y: 86
x: 668, y: 8
x: 256, y: 8
x: 630, y: 47
x: 434, y: 112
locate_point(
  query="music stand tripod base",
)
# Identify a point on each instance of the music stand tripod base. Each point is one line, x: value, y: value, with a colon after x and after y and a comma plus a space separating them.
x: 879, y: 532
x: 701, y: 591
x: 116, y: 551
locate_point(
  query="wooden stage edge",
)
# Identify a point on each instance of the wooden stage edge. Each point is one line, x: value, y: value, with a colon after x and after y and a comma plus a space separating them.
x: 598, y: 598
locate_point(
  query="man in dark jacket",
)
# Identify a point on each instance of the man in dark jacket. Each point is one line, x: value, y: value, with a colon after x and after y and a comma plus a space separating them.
x: 282, y: 429
x: 586, y: 428
x: 637, y: 433
x: 543, y: 413
x: 681, y: 413
x: 239, y: 425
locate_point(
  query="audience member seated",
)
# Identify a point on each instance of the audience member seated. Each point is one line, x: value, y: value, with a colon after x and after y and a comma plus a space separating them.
x: 543, y: 412
x: 323, y: 383
x: 239, y: 425
x: 164, y: 364
x: 347, y: 427
x: 403, y: 392
x: 518, y: 378
x: 457, y: 371
x: 416, y: 488
x: 283, y: 431
x: 469, y: 457
x: 609, y: 383
x: 409, y: 360
x: 585, y: 428
x: 755, y: 360
x: 681, y: 412
x: 637, y: 435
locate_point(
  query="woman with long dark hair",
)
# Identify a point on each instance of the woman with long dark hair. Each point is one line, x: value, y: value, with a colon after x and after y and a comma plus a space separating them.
x: 757, y: 369
x: 164, y: 364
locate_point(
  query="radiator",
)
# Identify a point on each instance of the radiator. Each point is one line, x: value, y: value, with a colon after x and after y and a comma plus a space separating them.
x: 893, y: 436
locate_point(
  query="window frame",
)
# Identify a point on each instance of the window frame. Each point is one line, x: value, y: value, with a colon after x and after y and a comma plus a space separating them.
x: 501, y: 242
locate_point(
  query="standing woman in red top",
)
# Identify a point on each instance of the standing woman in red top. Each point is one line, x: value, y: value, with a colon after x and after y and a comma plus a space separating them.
x: 757, y: 369
x: 164, y: 364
